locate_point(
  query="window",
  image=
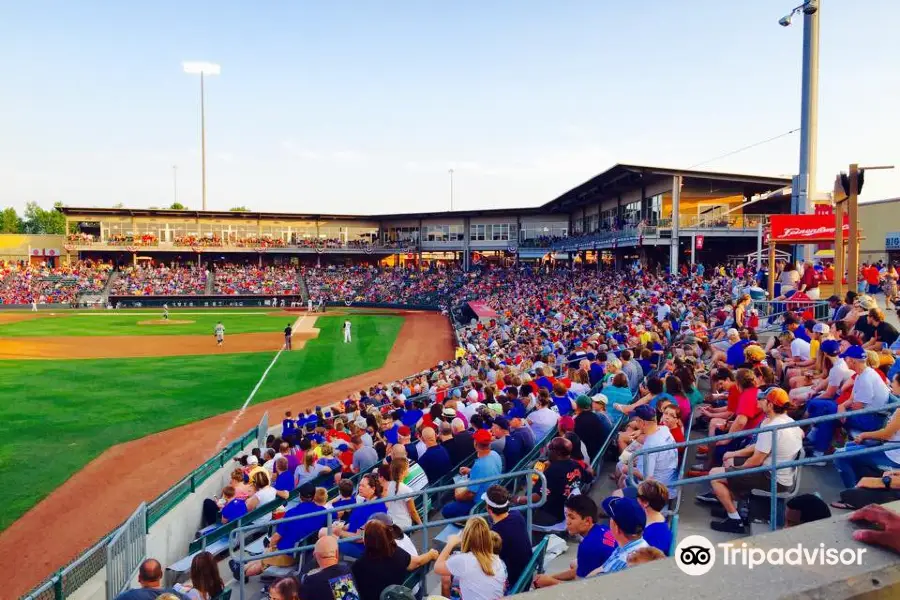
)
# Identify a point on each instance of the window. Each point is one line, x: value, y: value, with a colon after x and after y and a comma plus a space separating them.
x: 632, y: 213
x: 456, y: 233
x: 654, y: 209
x: 476, y: 233
x: 436, y: 233
x: 500, y: 232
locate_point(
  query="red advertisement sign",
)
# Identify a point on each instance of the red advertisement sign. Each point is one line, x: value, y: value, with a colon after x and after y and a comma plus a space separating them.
x: 804, y: 228
x: 699, y: 242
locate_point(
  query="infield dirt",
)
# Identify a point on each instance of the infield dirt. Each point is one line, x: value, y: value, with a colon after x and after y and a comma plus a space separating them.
x: 78, y: 513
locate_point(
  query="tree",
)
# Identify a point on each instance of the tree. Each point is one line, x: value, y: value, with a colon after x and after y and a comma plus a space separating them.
x: 239, y: 209
x: 40, y: 221
x: 10, y: 221
x: 177, y: 206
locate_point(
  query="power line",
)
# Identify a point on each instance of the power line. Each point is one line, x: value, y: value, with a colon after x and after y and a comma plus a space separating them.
x: 754, y: 145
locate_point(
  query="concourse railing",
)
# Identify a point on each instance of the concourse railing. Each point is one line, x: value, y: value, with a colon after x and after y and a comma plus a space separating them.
x: 775, y: 465
x: 238, y: 536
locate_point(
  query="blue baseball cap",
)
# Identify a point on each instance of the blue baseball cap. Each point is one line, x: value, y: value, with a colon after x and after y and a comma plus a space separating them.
x: 627, y: 514
x: 854, y: 352
x: 830, y: 347
x: 645, y: 412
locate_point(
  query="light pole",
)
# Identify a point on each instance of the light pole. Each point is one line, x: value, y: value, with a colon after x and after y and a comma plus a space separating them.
x: 174, y: 184
x: 805, y: 182
x: 202, y: 69
x: 451, y: 189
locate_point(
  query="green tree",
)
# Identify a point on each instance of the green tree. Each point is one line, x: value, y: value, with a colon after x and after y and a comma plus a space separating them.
x: 239, y: 209
x: 177, y: 206
x: 40, y: 221
x: 10, y: 221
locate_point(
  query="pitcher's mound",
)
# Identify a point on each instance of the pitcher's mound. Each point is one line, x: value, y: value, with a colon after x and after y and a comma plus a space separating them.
x: 164, y: 322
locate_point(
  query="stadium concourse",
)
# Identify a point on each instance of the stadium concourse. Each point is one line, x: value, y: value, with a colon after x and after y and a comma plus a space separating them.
x: 580, y: 370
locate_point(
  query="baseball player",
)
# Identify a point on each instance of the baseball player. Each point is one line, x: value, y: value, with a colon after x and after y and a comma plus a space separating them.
x: 33, y: 305
x: 347, y: 337
x: 165, y: 312
x: 220, y: 333
x: 288, y: 332
x: 309, y: 305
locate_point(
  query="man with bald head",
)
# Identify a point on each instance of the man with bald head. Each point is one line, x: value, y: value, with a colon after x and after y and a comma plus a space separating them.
x: 331, y: 579
x: 435, y: 461
x: 150, y: 576
x: 461, y: 445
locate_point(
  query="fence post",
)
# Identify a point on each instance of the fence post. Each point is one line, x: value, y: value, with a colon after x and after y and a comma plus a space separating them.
x: 528, y: 493
x: 58, y: 586
x: 773, y: 485
x: 193, y: 485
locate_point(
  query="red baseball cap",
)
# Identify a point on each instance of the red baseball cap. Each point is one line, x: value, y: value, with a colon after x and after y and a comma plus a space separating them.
x: 483, y: 436
x: 404, y: 430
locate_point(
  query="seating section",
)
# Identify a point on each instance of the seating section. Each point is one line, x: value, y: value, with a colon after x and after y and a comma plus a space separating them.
x: 27, y: 283
x: 395, y: 286
x: 266, y: 281
x: 160, y: 280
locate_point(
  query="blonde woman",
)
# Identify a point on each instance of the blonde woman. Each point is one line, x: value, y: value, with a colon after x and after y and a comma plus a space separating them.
x: 478, y: 569
x: 309, y: 470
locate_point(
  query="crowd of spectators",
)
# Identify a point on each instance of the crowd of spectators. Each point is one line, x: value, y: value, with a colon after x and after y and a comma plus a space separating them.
x: 142, y: 239
x: 573, y: 358
x: 23, y: 283
x: 160, y: 280
x: 375, y: 284
x: 274, y: 280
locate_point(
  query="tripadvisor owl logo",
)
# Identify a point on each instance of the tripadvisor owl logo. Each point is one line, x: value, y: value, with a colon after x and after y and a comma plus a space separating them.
x: 695, y: 555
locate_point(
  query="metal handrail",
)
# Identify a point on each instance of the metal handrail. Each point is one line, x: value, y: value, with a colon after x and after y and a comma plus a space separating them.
x: 238, y: 536
x: 775, y: 466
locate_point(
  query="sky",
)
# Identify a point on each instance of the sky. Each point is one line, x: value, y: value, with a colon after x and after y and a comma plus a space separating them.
x: 363, y: 107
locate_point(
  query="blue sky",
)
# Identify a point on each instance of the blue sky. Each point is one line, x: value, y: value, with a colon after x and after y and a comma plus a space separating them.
x: 363, y: 106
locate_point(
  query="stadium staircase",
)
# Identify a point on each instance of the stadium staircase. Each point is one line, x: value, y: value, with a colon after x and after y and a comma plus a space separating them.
x: 304, y: 291
x: 102, y: 298
x: 210, y: 283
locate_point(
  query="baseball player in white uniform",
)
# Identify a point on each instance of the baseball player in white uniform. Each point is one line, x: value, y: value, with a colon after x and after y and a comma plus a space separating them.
x: 347, y: 336
x: 309, y: 305
x: 166, y: 312
x: 220, y: 333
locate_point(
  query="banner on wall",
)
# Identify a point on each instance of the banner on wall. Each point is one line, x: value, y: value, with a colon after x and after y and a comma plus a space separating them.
x: 699, y: 242
x: 804, y: 228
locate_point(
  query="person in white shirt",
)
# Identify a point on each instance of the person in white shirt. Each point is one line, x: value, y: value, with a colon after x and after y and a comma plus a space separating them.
x: 478, y: 568
x: 869, y: 391
x: 347, y: 336
x: 661, y: 466
x: 544, y: 419
x: 851, y: 469
x: 829, y: 387
x: 775, y: 403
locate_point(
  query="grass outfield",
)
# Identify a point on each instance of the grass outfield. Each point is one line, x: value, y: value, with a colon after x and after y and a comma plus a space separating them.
x: 96, y: 323
x: 56, y: 416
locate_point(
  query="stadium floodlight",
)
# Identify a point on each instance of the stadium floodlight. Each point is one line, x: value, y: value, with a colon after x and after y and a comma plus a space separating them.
x: 803, y: 185
x: 202, y: 69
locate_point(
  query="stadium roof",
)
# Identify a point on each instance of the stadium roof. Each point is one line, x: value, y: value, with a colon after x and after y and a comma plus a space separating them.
x: 615, y: 180
x: 621, y: 178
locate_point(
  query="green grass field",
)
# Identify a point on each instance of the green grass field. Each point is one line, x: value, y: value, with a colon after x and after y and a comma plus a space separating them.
x: 126, y: 323
x: 58, y: 415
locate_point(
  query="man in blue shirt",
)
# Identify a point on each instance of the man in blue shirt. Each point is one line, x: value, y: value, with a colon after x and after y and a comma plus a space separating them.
x: 626, y: 522
x: 288, y: 534
x: 487, y: 464
x: 435, y: 461
x: 596, y: 546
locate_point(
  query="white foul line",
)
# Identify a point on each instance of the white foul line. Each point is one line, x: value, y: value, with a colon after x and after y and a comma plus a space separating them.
x: 259, y: 383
